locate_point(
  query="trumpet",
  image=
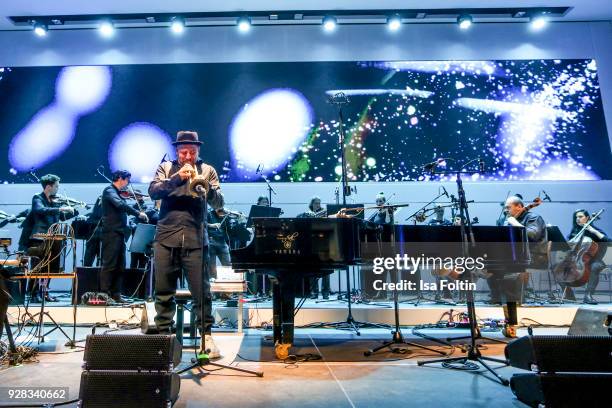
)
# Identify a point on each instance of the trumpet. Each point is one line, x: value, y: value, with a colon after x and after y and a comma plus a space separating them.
x: 198, y: 185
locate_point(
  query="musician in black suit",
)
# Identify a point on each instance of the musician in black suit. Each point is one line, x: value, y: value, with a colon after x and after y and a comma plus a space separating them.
x: 511, y: 286
x: 115, y: 231
x: 579, y: 219
x: 181, y: 240
x: 45, y: 212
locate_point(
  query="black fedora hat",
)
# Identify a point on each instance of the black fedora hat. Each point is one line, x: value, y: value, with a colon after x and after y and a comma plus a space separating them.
x: 187, y: 137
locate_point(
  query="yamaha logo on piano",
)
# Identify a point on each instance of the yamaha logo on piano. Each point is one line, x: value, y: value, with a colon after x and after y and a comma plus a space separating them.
x: 288, y: 244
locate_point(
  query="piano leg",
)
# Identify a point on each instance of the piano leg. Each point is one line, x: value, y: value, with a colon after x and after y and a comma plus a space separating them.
x: 283, y: 312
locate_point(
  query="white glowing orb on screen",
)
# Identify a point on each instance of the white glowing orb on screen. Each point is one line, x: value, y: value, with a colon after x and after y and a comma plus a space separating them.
x: 139, y: 148
x: 269, y: 130
x: 82, y: 89
x: 43, y: 139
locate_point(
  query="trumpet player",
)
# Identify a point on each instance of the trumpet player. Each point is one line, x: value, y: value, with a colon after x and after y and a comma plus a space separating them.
x: 181, y: 241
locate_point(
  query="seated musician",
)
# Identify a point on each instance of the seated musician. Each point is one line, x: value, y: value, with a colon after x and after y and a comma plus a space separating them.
x: 315, y: 210
x: 579, y: 219
x: 263, y: 201
x: 45, y: 211
x: 510, y: 286
x: 383, y: 215
x: 439, y: 217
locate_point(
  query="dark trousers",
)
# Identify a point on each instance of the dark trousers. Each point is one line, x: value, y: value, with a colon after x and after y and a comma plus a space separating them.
x: 596, y: 267
x: 113, y: 263
x: 215, y: 251
x: 169, y: 263
x: 508, y: 290
x: 43, y: 251
x: 325, y: 285
x: 92, y: 251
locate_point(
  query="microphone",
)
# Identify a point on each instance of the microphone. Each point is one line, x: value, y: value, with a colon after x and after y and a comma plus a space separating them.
x: 481, y: 165
x: 258, y: 169
x: 163, y: 158
x: 445, y: 192
x: 546, y: 197
x: 432, y: 166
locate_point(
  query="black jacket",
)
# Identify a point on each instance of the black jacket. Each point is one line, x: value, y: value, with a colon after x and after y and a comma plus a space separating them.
x: 44, y: 213
x: 538, y: 239
x: 181, y: 214
x: 114, y: 212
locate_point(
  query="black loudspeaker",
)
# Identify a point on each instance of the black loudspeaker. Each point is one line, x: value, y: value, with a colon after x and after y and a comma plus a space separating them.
x: 128, y: 389
x: 134, y: 283
x: 88, y: 280
x: 591, y: 322
x: 562, y: 390
x: 561, y: 353
x: 131, y: 352
x: 130, y: 371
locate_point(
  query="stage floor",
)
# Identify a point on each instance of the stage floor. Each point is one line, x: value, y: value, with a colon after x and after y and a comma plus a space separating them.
x: 344, y: 377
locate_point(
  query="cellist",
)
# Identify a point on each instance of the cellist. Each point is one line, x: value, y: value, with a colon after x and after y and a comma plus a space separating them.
x: 579, y: 219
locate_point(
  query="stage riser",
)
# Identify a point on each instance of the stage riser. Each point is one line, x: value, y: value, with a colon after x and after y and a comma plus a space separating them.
x: 262, y: 314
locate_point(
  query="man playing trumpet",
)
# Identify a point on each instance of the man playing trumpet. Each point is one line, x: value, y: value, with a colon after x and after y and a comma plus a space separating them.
x: 181, y: 241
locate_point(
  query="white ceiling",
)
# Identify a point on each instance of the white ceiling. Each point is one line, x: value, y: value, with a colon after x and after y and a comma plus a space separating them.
x: 582, y: 9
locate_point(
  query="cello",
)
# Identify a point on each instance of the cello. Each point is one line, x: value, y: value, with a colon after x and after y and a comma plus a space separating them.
x: 575, y: 269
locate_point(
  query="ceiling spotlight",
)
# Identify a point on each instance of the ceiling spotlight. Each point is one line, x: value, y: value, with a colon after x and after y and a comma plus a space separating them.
x: 244, y: 24
x: 107, y: 29
x: 40, y: 29
x: 538, y: 21
x: 394, y: 23
x: 329, y: 23
x: 177, y: 25
x: 465, y: 21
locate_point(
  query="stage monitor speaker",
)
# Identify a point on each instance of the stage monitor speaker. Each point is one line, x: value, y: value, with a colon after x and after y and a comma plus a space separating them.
x: 131, y: 352
x: 88, y: 280
x: 562, y: 390
x: 135, y: 283
x: 591, y: 322
x: 128, y: 389
x: 561, y: 353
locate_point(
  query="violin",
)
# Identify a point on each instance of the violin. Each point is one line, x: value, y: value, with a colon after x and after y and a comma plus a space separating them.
x: 137, y: 194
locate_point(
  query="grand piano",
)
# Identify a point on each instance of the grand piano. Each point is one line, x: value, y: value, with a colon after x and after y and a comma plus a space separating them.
x: 290, y: 249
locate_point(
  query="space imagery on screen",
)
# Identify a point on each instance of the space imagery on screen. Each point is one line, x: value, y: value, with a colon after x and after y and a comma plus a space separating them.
x: 525, y: 119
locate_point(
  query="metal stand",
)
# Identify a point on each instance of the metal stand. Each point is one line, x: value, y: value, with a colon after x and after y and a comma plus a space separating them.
x: 350, y: 323
x: 473, y: 353
x: 397, y: 336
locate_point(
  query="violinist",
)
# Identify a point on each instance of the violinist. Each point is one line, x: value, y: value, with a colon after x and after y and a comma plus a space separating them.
x: 45, y: 211
x: 115, y: 232
x: 383, y: 215
x: 314, y: 209
x: 579, y: 219
x: 510, y: 286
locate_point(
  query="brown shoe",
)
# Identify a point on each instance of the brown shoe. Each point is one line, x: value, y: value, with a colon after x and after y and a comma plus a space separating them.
x: 509, y: 331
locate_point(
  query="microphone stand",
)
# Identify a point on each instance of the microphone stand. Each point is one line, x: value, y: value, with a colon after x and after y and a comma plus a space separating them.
x: 467, y: 241
x: 270, y: 189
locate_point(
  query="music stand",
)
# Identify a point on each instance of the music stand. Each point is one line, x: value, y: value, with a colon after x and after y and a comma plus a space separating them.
x: 262, y: 211
x: 142, y: 243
